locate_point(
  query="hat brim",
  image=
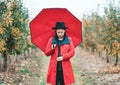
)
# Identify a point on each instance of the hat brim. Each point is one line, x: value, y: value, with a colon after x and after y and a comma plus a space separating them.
x: 54, y: 28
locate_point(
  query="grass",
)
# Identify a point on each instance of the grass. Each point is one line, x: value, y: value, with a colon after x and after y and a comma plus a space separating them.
x: 37, y: 75
x: 1, y: 83
x: 43, y: 82
x: 80, y: 78
x: 25, y: 71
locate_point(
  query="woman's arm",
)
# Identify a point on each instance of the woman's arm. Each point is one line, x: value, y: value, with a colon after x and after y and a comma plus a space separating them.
x: 49, y: 51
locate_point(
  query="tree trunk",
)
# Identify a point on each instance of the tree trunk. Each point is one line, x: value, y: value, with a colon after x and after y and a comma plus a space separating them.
x: 99, y: 54
x: 4, y: 62
x: 107, y: 57
x: 28, y: 51
x: 9, y: 59
x: 32, y: 51
x: 25, y: 54
x: 116, y: 61
x: 16, y: 57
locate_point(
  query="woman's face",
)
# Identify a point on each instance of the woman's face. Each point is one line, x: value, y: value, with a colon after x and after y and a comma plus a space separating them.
x: 60, y: 33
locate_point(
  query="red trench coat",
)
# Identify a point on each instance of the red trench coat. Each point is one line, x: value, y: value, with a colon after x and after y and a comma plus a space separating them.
x: 67, y: 51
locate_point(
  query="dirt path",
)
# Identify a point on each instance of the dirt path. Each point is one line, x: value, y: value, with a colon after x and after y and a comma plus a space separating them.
x: 88, y: 70
x: 95, y: 69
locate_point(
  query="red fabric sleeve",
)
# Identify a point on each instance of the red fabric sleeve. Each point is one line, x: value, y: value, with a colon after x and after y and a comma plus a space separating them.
x: 48, y: 50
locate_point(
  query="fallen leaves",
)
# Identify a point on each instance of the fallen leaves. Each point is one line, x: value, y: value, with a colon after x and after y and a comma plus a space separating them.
x: 22, y: 73
x: 111, y: 70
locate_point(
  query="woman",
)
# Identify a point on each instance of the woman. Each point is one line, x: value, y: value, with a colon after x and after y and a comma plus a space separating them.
x: 61, y: 49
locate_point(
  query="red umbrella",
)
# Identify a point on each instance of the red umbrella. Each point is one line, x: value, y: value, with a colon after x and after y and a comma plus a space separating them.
x: 41, y: 26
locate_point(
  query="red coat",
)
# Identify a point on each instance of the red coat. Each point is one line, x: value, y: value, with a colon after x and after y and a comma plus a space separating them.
x: 67, y: 51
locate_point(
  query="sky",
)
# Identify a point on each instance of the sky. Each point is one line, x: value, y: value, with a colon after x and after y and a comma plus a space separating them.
x: 76, y: 7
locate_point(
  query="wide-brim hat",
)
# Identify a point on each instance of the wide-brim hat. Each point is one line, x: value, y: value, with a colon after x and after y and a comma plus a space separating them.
x: 60, y: 25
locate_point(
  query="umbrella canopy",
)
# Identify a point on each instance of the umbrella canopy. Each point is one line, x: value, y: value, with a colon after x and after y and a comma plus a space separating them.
x: 41, y: 26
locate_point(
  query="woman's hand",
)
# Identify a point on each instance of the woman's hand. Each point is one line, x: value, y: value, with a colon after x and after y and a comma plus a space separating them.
x: 60, y: 58
x: 53, y: 46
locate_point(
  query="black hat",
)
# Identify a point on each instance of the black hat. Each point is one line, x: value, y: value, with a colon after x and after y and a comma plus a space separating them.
x: 60, y: 25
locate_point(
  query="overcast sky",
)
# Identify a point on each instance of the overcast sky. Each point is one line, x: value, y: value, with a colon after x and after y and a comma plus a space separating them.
x: 77, y: 7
